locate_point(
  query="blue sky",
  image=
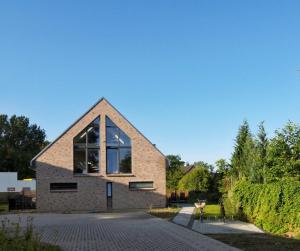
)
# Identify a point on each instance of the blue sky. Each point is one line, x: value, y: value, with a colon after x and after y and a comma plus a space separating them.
x: 186, y: 73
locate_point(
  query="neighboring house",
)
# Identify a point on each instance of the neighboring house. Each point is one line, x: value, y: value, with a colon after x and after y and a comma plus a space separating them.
x: 9, y: 183
x: 180, y: 195
x: 100, y: 162
x: 188, y: 168
x: 11, y: 187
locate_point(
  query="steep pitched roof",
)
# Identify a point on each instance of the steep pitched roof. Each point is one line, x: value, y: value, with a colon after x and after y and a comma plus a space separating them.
x: 188, y: 168
x: 32, y: 162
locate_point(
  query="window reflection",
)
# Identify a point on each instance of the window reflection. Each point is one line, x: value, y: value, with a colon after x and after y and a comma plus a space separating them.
x: 125, y: 160
x: 93, y: 160
x: 112, y: 160
x: 118, y: 147
x: 86, y: 149
x: 79, y: 160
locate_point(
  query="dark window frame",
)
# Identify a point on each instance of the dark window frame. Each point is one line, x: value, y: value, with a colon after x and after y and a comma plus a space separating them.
x: 87, y: 146
x: 109, y: 198
x: 63, y: 187
x: 117, y: 147
x: 141, y: 188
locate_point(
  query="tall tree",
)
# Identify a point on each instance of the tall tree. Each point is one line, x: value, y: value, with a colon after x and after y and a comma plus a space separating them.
x: 251, y: 167
x: 174, y: 172
x: 19, y: 142
x: 238, y: 157
x: 262, y: 145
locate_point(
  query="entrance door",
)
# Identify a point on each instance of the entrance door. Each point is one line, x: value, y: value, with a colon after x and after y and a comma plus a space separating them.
x: 109, y: 195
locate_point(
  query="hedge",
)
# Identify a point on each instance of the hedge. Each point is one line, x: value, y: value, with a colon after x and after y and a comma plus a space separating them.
x: 274, y: 207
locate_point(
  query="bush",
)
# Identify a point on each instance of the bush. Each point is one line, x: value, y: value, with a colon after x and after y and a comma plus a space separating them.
x: 273, y: 207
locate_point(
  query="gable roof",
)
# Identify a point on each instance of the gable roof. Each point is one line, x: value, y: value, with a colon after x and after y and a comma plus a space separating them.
x: 188, y: 168
x: 32, y: 162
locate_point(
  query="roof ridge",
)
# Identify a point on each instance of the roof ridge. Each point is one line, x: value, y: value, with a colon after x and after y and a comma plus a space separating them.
x: 32, y: 162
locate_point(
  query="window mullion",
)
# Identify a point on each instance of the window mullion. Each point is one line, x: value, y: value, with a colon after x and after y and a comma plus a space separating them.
x: 118, y: 150
x: 118, y: 159
x: 86, y: 152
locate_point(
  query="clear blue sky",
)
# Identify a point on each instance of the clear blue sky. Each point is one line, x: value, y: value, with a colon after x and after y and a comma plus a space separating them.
x: 186, y: 73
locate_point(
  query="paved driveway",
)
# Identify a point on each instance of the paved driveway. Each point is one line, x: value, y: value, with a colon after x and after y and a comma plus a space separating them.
x: 117, y: 231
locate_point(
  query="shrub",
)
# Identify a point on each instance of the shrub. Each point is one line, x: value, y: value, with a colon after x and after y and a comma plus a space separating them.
x: 274, y: 207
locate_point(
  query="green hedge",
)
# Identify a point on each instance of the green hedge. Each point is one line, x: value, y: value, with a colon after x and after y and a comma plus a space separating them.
x: 274, y: 207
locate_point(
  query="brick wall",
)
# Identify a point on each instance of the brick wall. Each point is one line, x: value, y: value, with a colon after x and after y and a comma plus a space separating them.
x: 56, y: 165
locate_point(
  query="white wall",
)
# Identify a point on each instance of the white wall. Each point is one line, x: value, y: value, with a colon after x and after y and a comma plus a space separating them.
x: 10, y: 179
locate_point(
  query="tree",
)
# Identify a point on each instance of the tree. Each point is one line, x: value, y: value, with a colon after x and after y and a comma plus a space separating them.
x: 238, y: 160
x: 20, y: 141
x: 195, y: 180
x: 262, y: 145
x: 283, y: 154
x: 224, y: 174
x: 249, y: 156
x: 222, y: 166
x: 251, y: 166
x: 174, y: 172
x: 175, y: 162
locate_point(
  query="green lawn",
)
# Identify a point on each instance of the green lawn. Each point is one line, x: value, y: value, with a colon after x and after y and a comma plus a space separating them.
x: 165, y: 213
x: 213, y: 210
x: 258, y: 242
x: 3, y: 207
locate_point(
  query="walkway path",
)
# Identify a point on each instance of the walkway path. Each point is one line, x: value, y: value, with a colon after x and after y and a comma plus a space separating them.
x: 184, y: 216
x: 229, y: 227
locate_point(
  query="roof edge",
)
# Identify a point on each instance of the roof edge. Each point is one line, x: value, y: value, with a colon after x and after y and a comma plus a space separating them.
x: 135, y: 128
x: 32, y: 162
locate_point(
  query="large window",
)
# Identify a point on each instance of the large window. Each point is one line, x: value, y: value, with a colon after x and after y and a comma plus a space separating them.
x: 86, y: 149
x: 118, y: 149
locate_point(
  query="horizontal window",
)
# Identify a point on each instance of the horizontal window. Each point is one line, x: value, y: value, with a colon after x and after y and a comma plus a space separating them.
x: 141, y: 185
x: 63, y: 186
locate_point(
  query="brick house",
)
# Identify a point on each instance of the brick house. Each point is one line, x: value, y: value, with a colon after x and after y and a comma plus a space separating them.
x: 100, y: 162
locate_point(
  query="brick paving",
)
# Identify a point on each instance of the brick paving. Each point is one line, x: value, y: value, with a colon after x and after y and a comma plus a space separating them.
x: 117, y: 231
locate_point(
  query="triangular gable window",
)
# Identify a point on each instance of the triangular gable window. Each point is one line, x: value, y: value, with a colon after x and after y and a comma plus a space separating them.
x: 118, y: 149
x: 86, y: 149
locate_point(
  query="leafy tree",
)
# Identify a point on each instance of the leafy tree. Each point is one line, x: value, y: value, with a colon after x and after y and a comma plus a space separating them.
x: 225, y: 177
x: 283, y: 157
x: 222, y: 166
x: 175, y: 162
x: 20, y: 141
x: 174, y: 172
x: 196, y: 180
